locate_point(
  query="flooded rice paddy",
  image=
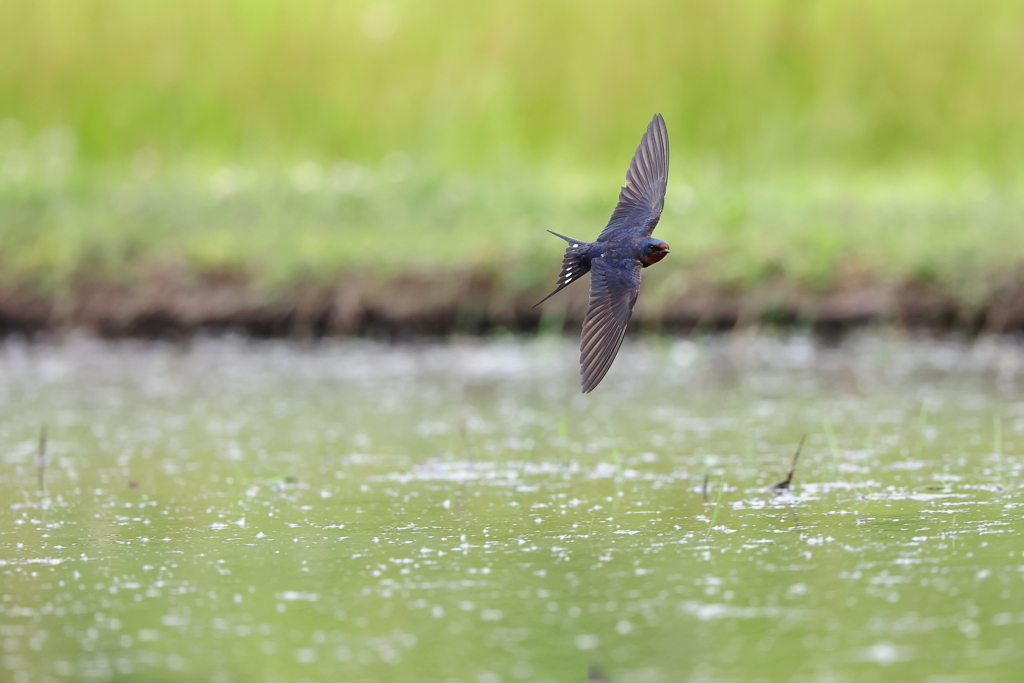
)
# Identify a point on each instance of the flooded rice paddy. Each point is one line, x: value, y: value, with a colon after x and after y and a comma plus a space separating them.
x: 233, y: 511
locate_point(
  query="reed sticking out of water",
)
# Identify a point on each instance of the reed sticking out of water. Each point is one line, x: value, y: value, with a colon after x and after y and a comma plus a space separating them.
x: 784, y: 484
x: 41, y: 459
x: 718, y: 503
x: 522, y: 465
x: 595, y: 674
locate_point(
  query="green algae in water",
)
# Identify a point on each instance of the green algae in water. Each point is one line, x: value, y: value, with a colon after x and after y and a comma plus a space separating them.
x: 350, y: 512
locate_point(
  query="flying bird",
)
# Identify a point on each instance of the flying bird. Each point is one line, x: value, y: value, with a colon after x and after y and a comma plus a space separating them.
x: 615, y: 259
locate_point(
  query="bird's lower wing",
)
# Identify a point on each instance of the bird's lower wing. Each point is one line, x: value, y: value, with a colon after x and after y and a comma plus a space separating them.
x: 614, y: 285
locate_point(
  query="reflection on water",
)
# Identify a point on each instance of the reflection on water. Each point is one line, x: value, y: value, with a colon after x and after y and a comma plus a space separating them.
x: 234, y: 511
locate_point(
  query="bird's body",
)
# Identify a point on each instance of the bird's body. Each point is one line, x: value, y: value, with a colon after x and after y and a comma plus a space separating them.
x: 615, y: 259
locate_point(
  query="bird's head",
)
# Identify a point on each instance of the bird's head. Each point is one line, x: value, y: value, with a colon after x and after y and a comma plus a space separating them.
x: 652, y: 251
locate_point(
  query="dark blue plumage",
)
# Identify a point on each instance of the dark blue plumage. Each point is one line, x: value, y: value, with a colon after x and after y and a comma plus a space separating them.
x: 615, y: 259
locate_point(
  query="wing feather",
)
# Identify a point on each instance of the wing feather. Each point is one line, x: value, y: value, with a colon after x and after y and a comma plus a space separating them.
x: 642, y: 199
x: 614, y: 285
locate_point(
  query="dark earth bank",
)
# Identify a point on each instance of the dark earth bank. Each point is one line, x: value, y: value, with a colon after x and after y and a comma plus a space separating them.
x: 175, y: 303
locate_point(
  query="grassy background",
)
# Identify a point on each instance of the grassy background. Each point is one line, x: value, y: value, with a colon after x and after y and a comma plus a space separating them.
x: 812, y: 141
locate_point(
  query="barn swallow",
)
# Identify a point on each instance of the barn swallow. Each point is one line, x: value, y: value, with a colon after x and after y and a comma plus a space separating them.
x: 615, y: 259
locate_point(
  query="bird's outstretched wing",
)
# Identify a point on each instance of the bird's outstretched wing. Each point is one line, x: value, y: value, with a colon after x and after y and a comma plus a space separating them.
x: 614, y: 285
x: 642, y: 198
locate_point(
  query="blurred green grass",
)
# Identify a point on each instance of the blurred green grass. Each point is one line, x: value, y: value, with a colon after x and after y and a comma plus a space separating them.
x: 811, y: 142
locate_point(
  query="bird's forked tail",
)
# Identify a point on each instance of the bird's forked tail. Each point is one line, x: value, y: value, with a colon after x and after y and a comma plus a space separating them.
x: 575, y: 264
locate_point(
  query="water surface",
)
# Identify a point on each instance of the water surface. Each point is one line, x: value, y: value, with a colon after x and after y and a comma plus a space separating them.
x: 233, y: 511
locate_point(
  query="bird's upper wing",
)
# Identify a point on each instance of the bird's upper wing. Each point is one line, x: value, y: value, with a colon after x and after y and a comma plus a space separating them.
x: 614, y: 285
x: 643, y: 197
